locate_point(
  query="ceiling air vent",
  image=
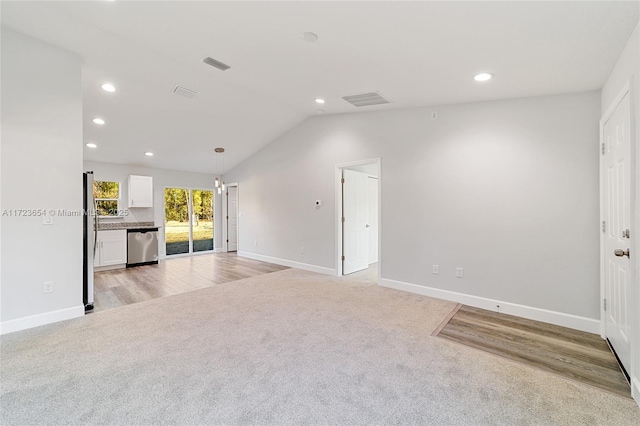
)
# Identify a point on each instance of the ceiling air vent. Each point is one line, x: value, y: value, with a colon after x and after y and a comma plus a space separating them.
x: 366, y: 99
x: 217, y: 64
x: 183, y: 91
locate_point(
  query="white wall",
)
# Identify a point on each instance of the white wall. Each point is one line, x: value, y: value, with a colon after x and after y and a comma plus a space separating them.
x: 627, y: 69
x: 370, y: 169
x: 41, y: 169
x: 161, y: 179
x: 508, y: 190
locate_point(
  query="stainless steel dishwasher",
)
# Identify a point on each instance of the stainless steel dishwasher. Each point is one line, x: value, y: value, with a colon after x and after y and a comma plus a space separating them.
x: 142, y: 246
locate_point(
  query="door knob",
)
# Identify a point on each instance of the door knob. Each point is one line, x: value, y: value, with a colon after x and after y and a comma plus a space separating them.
x: 620, y: 252
x: 367, y: 225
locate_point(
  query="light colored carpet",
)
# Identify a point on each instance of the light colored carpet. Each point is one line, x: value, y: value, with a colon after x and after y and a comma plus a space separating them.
x: 290, y: 347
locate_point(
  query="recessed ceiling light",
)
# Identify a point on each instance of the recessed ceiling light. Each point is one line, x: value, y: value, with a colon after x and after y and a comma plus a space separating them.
x: 92, y: 145
x: 319, y: 100
x: 310, y: 37
x: 108, y: 87
x: 98, y: 121
x: 483, y: 76
x: 149, y: 154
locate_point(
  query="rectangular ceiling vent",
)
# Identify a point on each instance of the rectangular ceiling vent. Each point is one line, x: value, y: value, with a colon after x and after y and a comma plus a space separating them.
x: 366, y: 99
x: 183, y: 91
x: 216, y: 64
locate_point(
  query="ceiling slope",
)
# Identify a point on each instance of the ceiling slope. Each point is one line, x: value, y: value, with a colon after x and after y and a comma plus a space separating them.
x: 414, y: 53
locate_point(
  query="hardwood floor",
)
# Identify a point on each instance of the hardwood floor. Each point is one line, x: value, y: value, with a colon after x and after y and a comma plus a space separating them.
x: 173, y: 276
x: 580, y: 356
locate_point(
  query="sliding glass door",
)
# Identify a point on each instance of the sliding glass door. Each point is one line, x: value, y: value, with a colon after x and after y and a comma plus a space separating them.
x: 202, y: 222
x: 176, y: 220
x: 188, y: 220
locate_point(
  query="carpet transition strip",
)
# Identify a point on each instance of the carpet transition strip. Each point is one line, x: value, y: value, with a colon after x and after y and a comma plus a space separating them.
x: 573, y: 354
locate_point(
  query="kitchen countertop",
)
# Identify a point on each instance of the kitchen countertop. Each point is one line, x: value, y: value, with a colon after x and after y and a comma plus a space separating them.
x: 111, y: 226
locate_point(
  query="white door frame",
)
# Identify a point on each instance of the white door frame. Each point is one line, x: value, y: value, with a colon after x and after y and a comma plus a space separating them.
x: 338, y: 214
x: 162, y: 235
x: 370, y: 179
x: 225, y: 221
x: 634, y: 284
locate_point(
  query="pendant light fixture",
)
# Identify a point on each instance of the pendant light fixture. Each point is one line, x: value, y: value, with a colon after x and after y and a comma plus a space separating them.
x: 219, y: 159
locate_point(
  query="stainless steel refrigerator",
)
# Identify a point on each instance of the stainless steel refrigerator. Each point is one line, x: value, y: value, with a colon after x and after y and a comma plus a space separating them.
x: 90, y: 229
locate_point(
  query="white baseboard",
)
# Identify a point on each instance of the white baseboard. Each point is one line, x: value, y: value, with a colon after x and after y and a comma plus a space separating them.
x: 552, y: 317
x: 109, y: 267
x: 220, y: 250
x: 290, y: 263
x: 41, y: 319
x: 635, y: 389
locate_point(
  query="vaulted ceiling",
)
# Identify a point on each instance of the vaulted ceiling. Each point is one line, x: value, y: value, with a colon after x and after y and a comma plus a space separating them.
x: 413, y: 53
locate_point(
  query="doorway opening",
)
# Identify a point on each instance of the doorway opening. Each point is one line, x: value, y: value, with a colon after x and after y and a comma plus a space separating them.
x: 358, y: 205
x: 230, y: 213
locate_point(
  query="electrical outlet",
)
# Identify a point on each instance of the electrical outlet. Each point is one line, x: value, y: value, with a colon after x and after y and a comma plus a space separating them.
x: 459, y: 272
x: 48, y: 287
x: 301, y: 250
x: 435, y: 269
x: 434, y: 115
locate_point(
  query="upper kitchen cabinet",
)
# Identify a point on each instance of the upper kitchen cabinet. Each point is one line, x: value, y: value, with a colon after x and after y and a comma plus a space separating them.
x: 140, y: 191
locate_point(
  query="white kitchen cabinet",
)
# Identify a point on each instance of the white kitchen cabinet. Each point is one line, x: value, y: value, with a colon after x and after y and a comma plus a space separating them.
x: 111, y: 248
x: 140, y: 191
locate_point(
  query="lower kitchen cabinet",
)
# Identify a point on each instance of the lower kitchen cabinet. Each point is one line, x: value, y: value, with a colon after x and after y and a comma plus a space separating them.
x: 111, y: 249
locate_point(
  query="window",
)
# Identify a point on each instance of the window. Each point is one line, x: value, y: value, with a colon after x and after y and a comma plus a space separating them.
x: 107, y: 196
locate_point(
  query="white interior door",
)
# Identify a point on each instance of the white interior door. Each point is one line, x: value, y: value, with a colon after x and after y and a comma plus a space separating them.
x: 355, y: 229
x: 232, y: 218
x: 373, y: 219
x: 617, y: 213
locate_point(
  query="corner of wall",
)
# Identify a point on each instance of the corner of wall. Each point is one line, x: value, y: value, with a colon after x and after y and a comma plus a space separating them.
x: 42, y: 132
